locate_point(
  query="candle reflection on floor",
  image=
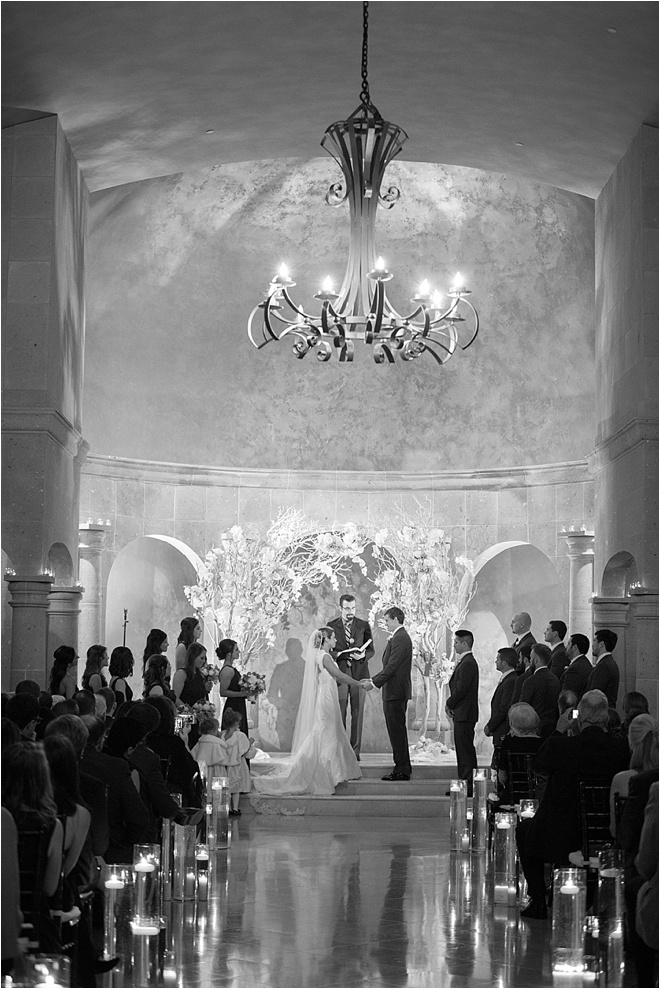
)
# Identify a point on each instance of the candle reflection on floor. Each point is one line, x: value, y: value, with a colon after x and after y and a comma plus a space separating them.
x: 339, y: 901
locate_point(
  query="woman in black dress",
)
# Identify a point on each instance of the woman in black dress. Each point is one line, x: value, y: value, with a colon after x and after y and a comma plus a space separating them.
x: 62, y: 680
x: 157, y: 678
x: 156, y: 645
x: 97, y: 659
x: 190, y: 686
x: 121, y: 667
x: 228, y: 653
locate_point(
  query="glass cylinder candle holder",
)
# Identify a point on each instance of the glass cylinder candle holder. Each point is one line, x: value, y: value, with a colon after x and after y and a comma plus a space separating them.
x: 115, y: 879
x: 479, y: 809
x: 202, y: 863
x: 51, y: 971
x: 220, y: 812
x: 504, y: 857
x: 146, y: 870
x: 569, y: 903
x: 611, y: 914
x: 457, y: 813
x: 183, y: 876
x: 527, y: 809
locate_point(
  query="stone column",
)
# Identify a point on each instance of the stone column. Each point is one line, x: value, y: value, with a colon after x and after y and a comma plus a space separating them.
x: 90, y: 547
x: 614, y: 613
x: 63, y: 612
x: 644, y: 665
x: 580, y: 549
x: 28, y: 599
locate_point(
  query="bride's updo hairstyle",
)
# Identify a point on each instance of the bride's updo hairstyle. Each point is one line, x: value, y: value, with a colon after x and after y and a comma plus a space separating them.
x: 322, y: 635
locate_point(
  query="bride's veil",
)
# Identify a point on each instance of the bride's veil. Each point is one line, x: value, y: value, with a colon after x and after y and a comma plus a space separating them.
x: 305, y: 718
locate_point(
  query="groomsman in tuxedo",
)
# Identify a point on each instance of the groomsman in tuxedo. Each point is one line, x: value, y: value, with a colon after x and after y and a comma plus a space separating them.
x: 605, y: 674
x: 554, y: 635
x: 576, y: 675
x: 463, y: 704
x: 498, y: 723
x: 352, y: 654
x: 521, y: 626
x: 395, y: 680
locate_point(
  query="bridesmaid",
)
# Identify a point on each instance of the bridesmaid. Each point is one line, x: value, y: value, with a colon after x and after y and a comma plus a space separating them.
x: 189, y: 684
x: 97, y: 658
x: 228, y: 653
x: 156, y: 644
x: 191, y: 631
x: 62, y: 681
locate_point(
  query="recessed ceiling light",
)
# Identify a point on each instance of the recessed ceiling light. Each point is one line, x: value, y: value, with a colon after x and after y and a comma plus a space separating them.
x: 611, y: 30
x: 210, y: 131
x: 519, y: 144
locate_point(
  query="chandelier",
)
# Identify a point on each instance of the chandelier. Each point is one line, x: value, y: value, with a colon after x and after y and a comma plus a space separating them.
x: 363, y: 146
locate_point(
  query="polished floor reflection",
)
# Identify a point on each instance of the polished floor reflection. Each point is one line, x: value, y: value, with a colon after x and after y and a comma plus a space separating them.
x: 313, y: 901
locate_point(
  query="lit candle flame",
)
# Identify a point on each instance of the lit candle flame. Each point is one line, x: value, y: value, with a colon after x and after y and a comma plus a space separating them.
x: 283, y: 271
x: 437, y: 300
x: 327, y: 285
x: 424, y: 288
x: 458, y: 282
x: 380, y: 264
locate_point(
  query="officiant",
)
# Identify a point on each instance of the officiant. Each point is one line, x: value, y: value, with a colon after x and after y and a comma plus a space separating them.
x: 354, y: 649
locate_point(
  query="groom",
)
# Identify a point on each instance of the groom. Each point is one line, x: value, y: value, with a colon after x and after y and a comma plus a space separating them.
x: 394, y: 678
x: 352, y: 654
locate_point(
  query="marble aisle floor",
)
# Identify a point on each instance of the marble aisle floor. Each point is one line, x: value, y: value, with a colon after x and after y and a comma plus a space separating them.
x: 312, y: 901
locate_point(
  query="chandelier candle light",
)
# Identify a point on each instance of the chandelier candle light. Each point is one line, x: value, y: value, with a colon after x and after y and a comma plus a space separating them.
x: 363, y: 146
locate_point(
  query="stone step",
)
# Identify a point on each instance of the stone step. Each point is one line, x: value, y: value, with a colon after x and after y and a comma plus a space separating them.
x: 379, y: 805
x: 374, y: 787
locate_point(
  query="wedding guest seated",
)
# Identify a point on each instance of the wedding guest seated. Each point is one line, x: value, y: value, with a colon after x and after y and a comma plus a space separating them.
x: 567, y: 703
x: 645, y: 959
x: 523, y: 738
x: 93, y: 792
x: 45, y: 713
x: 153, y: 789
x: 28, y: 796
x: 23, y: 710
x: 633, y: 703
x: 110, y: 704
x: 10, y: 893
x: 65, y: 780
x: 62, y: 674
x: 85, y: 701
x: 615, y: 725
x: 28, y: 687
x: 10, y: 733
x: 60, y: 708
x: 100, y: 706
x: 646, y: 863
x: 5, y: 699
x: 128, y: 818
x: 157, y: 678
x: 643, y: 744
x: 555, y: 830
x: 182, y: 772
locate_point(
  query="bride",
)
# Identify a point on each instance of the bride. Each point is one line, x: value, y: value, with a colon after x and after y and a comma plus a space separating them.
x: 321, y: 753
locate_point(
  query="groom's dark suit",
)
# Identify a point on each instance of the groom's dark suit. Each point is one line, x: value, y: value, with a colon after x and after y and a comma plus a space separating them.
x: 356, y: 668
x: 395, y: 680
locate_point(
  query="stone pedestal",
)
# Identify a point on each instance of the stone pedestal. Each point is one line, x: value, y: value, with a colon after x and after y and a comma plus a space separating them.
x: 90, y: 547
x: 614, y: 613
x: 63, y: 613
x: 28, y: 599
x: 580, y: 550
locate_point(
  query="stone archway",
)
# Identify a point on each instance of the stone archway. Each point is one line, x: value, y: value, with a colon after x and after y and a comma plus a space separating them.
x: 619, y: 574
x: 509, y: 577
x: 147, y: 579
x: 61, y: 565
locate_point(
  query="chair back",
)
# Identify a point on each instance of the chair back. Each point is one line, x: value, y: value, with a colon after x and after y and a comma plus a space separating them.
x: 594, y: 799
x: 521, y: 780
x: 619, y: 807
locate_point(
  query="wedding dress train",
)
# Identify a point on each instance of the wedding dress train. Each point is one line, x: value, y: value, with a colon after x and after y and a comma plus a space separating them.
x: 321, y: 753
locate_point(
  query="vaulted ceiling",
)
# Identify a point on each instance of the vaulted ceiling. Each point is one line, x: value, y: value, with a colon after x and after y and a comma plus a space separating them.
x: 554, y: 92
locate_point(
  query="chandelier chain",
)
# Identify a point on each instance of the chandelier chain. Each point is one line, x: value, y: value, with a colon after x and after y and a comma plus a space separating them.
x: 365, y: 97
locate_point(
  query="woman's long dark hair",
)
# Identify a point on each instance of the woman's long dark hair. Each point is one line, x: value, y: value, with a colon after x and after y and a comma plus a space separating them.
x: 188, y: 626
x: 26, y: 786
x: 155, y: 674
x: 64, y: 773
x: 63, y: 656
x: 155, y: 640
x: 194, y: 651
x: 94, y: 665
x: 121, y: 662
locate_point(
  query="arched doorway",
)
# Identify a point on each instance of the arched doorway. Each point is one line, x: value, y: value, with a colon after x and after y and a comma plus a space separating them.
x: 147, y: 580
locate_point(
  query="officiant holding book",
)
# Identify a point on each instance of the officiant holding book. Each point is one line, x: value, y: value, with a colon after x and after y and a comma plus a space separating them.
x: 352, y: 653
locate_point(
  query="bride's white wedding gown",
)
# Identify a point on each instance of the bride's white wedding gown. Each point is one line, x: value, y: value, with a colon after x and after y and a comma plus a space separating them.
x: 325, y: 756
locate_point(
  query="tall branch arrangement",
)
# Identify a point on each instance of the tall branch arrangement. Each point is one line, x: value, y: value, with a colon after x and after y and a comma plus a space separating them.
x: 250, y: 582
x: 415, y: 571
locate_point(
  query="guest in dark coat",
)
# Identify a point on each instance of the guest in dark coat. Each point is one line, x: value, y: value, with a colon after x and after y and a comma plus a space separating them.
x: 523, y: 739
x: 183, y: 772
x: 131, y: 821
x: 605, y: 674
x: 542, y: 690
x: 576, y: 674
x: 555, y: 831
x: 463, y: 705
x: 523, y: 677
x: 554, y: 635
x: 498, y: 723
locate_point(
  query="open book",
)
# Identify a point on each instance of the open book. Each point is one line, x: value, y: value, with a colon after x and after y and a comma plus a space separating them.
x: 358, y: 650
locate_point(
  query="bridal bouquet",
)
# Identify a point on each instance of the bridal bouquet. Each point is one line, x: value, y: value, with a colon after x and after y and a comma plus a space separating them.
x: 253, y: 683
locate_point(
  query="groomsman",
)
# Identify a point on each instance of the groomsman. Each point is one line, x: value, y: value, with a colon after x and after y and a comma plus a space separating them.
x: 554, y: 635
x: 605, y: 674
x: 463, y: 705
x: 498, y: 723
x: 521, y: 626
x: 352, y: 653
x: 396, y: 682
